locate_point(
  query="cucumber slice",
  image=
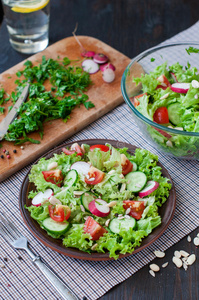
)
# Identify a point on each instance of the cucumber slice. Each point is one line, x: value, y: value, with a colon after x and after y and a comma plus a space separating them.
x: 174, y: 112
x: 55, y: 227
x: 86, y: 198
x: 70, y: 178
x: 136, y: 181
x: 134, y: 166
x: 116, y: 224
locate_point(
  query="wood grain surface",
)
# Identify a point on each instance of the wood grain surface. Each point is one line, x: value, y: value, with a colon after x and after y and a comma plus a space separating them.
x: 130, y: 26
x: 104, y: 95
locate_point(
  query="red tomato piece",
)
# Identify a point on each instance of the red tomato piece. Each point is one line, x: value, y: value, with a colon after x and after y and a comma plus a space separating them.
x: 75, y: 148
x: 95, y: 176
x: 103, y: 148
x: 135, y: 100
x: 94, y: 228
x: 127, y: 167
x: 161, y: 115
x: 59, y: 212
x: 53, y: 176
x: 164, y: 82
x: 137, y: 208
x: 58, y: 216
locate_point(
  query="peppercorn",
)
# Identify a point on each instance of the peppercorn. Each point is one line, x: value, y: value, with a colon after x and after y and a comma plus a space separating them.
x: 19, y: 257
x: 2, y: 156
x: 14, y: 151
x: 84, y: 298
x: 5, y: 259
x: 116, y: 215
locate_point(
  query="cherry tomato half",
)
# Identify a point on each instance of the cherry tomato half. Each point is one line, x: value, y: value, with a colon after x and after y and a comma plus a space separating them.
x: 164, y: 82
x: 103, y: 148
x: 59, y: 213
x: 127, y: 167
x: 161, y: 115
x: 75, y: 148
x: 136, y: 208
x: 53, y: 176
x: 95, y: 176
x: 94, y: 228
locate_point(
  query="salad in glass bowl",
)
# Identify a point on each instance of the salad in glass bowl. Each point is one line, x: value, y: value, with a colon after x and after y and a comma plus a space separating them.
x: 167, y: 106
x: 99, y: 198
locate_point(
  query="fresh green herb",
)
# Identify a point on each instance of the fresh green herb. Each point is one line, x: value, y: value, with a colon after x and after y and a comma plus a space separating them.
x: 192, y: 50
x: 152, y: 59
x: 2, y: 110
x: 67, y: 82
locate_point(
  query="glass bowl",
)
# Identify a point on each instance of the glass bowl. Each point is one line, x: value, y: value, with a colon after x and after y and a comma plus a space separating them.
x: 173, y: 142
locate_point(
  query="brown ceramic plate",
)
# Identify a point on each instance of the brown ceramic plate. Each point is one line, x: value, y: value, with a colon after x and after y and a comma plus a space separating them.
x: 166, y: 211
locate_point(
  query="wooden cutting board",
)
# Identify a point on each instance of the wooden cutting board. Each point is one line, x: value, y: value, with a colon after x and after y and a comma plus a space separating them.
x: 105, y: 96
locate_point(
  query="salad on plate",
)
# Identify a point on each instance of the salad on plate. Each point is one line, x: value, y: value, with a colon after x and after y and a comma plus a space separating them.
x: 171, y: 98
x: 98, y: 198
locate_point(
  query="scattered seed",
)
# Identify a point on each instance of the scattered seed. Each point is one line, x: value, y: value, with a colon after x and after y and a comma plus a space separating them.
x: 196, y: 96
x: 121, y: 176
x: 111, y: 172
x: 196, y: 241
x: 164, y: 96
x: 111, y: 204
x: 154, y: 267
x: 152, y: 273
x: 127, y: 216
x: 120, y: 218
x: 120, y: 215
x: 82, y: 208
x: 189, y: 239
x: 191, y: 259
x: 128, y: 211
x: 123, y: 187
x: 91, y: 179
x: 85, y: 218
x: 195, y: 84
x: 185, y: 267
x: 54, y: 200
x: 169, y: 143
x: 177, y: 261
x: 52, y: 165
x: 107, y: 222
x: 78, y: 193
x: 159, y: 254
x: 177, y: 254
x: 3, y: 266
x: 179, y: 128
x: 184, y: 253
x: 14, y: 151
x: 22, y: 147
x: 165, y: 265
x: 94, y: 246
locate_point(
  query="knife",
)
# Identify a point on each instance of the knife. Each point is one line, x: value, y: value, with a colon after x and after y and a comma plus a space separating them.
x: 13, y: 113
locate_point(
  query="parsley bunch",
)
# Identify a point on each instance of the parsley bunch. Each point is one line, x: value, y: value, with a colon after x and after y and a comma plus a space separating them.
x: 68, y: 84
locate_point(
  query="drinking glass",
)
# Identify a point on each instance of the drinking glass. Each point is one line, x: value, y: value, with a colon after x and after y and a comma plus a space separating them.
x: 28, y: 24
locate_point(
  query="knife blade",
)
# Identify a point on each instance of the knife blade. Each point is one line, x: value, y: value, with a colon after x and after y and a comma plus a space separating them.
x: 13, y: 113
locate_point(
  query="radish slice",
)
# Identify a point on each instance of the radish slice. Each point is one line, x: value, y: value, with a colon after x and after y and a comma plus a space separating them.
x: 88, y: 54
x: 180, y: 87
x: 107, y: 66
x: 90, y: 66
x: 81, y: 167
x: 99, y: 208
x: 37, y: 200
x: 174, y: 77
x: 108, y: 75
x: 150, y: 187
x: 100, y: 58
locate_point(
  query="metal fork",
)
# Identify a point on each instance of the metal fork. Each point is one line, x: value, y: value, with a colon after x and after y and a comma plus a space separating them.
x: 14, y: 237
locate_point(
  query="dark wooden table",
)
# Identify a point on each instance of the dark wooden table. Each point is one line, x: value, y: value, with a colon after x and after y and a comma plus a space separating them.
x: 130, y: 26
